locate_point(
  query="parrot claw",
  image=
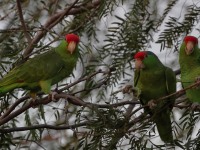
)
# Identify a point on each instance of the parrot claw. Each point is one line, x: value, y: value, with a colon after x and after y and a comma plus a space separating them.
x: 52, y: 96
x: 33, y: 99
x: 127, y: 89
x: 152, y: 104
x: 195, y: 106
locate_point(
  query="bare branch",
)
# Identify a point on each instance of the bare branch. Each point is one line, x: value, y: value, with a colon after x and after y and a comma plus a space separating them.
x: 16, y: 113
x: 22, y: 21
x: 180, y: 92
x: 84, y: 79
x: 42, y: 126
x: 9, y: 110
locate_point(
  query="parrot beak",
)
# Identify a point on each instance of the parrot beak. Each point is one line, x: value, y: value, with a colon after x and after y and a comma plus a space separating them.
x: 71, y: 47
x: 189, y: 48
x: 139, y: 64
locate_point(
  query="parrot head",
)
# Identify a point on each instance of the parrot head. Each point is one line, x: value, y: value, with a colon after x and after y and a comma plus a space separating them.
x: 72, y: 40
x: 190, y: 43
x: 145, y: 59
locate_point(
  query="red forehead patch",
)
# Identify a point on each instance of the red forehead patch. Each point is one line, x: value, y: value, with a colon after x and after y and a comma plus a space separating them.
x: 72, y: 37
x: 140, y: 55
x: 191, y: 39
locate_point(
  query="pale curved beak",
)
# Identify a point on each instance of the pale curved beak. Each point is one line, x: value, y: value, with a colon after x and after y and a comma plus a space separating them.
x: 71, y: 47
x: 139, y: 64
x: 189, y: 48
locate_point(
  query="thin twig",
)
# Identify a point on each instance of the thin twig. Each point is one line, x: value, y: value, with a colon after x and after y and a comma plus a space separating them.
x: 16, y: 113
x: 42, y: 126
x: 13, y: 106
x: 83, y: 79
x: 180, y: 92
x: 19, y: 8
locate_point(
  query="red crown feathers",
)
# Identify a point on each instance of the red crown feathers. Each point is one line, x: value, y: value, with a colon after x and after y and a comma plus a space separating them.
x: 191, y: 39
x: 140, y: 55
x: 72, y: 37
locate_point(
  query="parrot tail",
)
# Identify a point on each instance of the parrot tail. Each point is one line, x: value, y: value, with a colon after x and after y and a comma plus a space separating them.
x: 7, y: 88
x: 163, y: 123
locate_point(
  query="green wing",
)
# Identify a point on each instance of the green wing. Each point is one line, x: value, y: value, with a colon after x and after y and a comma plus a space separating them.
x: 39, y: 68
x: 39, y: 72
x: 170, y: 84
x: 136, y: 77
x: 162, y: 119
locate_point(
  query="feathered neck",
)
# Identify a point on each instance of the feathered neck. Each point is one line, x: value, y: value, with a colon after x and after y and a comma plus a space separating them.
x: 62, y: 49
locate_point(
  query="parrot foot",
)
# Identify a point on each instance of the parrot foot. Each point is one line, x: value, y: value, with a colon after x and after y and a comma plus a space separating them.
x: 33, y: 96
x: 152, y: 104
x: 52, y: 96
x: 127, y: 89
x: 195, y: 106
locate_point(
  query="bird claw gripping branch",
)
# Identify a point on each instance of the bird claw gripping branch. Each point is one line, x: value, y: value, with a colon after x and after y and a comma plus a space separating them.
x: 152, y: 104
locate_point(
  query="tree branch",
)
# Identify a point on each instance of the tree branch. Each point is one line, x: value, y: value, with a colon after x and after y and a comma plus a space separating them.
x: 19, y: 8
x: 180, y: 92
x: 84, y: 79
x: 12, y: 107
x: 42, y: 126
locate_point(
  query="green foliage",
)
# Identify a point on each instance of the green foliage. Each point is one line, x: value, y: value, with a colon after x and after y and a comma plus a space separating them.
x: 175, y: 28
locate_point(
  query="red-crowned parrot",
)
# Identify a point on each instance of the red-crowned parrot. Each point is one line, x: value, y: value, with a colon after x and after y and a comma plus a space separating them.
x: 44, y: 70
x: 153, y: 80
x: 189, y: 59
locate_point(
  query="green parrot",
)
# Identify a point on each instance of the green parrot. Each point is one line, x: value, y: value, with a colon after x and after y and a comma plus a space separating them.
x: 152, y: 81
x: 44, y: 70
x: 189, y: 60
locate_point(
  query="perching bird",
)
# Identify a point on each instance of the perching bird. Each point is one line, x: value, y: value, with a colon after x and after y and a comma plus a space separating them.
x: 153, y: 80
x: 189, y: 60
x: 44, y: 70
